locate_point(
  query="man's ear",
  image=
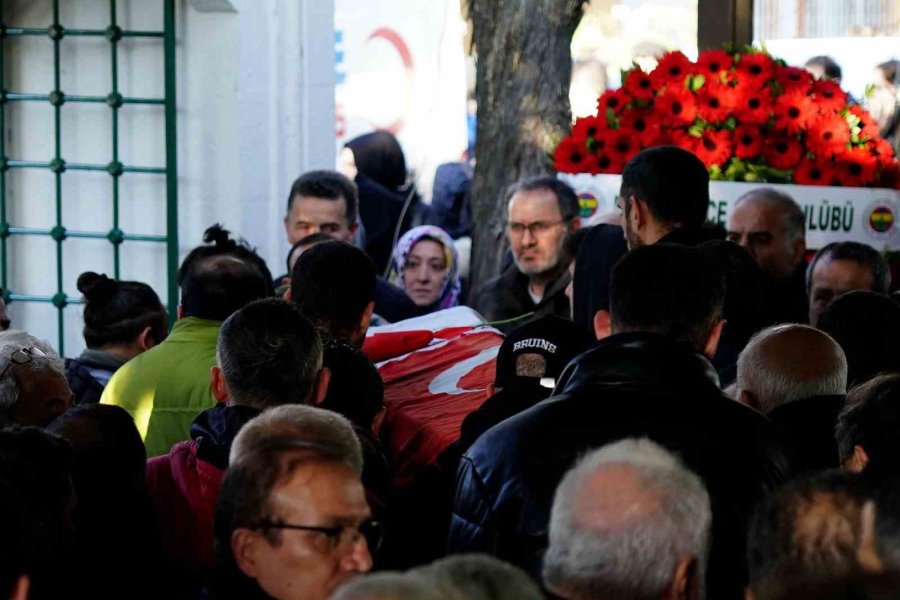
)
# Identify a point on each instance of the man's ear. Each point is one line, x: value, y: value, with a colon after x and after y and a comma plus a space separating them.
x: 857, y: 461
x: 799, y: 251
x: 244, y: 549
x: 179, y: 312
x: 602, y: 324
x: 145, y: 339
x: 366, y: 319
x: 217, y: 384
x: 20, y: 590
x: 685, y: 581
x: 712, y: 342
x: 354, y: 227
x: 575, y: 224
x: 639, y: 213
x: 749, y: 398
x: 288, y: 296
x: 320, y: 390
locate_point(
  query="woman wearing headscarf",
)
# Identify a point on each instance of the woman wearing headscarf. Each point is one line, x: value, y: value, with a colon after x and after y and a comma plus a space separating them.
x: 426, y: 266
x: 376, y: 163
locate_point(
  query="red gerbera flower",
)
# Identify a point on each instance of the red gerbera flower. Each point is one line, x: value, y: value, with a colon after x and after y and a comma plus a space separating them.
x: 714, y: 147
x: 748, y: 141
x: 715, y: 101
x: 588, y: 128
x: 572, y: 157
x: 792, y: 78
x: 889, y: 177
x: 883, y: 148
x: 681, y: 138
x: 828, y: 96
x: 856, y: 167
x: 828, y: 135
x: 756, y: 66
x: 643, y: 126
x: 782, y: 152
x: 615, y: 100
x: 676, y: 104
x: 622, y: 145
x: 753, y: 106
x: 868, y: 126
x: 672, y: 67
x: 606, y: 163
x: 639, y: 85
x: 712, y: 63
x: 793, y: 112
x: 813, y: 172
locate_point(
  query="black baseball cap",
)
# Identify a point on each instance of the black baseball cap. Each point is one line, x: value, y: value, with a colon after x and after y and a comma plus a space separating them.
x: 540, y: 349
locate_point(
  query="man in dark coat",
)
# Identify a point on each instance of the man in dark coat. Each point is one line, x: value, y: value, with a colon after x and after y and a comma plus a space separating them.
x: 650, y: 378
x: 797, y: 376
x: 541, y: 213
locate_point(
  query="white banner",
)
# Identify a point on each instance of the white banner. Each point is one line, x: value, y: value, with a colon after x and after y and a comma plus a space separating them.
x: 833, y: 214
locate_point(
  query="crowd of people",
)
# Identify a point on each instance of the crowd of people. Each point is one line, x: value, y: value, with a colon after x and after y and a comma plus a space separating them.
x: 680, y: 410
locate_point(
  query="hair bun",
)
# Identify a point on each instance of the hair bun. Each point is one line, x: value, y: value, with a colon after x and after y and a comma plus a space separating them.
x: 219, y: 236
x: 96, y: 286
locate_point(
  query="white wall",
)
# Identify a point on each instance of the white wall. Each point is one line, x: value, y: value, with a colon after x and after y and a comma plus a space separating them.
x: 255, y: 101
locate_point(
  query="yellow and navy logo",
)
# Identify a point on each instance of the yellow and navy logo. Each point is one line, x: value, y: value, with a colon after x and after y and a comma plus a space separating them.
x: 588, y: 204
x: 881, y: 219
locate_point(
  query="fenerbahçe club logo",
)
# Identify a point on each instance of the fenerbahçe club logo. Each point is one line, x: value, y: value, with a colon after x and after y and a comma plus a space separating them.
x: 880, y: 219
x: 587, y: 203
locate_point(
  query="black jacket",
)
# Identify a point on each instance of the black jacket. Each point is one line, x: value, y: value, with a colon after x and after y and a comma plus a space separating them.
x: 789, y: 300
x: 809, y: 425
x: 506, y: 297
x: 88, y: 374
x: 628, y: 385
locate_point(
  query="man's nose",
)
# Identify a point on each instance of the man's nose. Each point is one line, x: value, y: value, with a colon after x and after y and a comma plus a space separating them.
x: 359, y: 560
x: 528, y: 238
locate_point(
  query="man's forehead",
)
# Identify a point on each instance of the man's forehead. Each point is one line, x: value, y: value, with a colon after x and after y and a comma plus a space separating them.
x: 321, y: 489
x: 315, y: 203
x: 533, y: 201
x: 758, y: 214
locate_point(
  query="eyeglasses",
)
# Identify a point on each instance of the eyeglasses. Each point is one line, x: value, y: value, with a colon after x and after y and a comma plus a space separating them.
x: 21, y: 357
x: 535, y: 229
x: 339, y: 537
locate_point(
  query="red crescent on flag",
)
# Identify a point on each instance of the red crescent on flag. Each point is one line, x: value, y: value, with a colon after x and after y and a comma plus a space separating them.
x: 394, y: 39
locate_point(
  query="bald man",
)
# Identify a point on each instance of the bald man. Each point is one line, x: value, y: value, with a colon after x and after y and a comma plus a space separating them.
x: 771, y: 227
x: 797, y: 376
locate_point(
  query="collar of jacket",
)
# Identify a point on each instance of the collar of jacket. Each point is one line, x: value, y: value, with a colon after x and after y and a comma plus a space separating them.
x: 192, y: 329
x: 98, y: 359
x: 691, y: 236
x: 513, y: 278
x: 638, y: 358
x: 215, y: 429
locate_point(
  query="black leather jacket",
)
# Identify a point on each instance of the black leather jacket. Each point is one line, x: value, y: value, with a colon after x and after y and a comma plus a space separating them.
x: 628, y: 385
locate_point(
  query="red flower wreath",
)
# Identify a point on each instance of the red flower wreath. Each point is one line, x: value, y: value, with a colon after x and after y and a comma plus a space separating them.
x: 716, y: 101
x: 614, y: 100
x: 713, y: 63
x: 672, y: 68
x: 676, y: 104
x: 783, y: 152
x: 748, y: 142
x: 828, y: 135
x: 793, y: 112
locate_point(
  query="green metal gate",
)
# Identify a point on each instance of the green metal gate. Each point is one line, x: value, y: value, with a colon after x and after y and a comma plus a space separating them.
x: 58, y: 35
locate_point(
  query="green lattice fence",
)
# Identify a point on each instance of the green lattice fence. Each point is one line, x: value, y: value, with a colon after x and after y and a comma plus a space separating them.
x: 59, y: 36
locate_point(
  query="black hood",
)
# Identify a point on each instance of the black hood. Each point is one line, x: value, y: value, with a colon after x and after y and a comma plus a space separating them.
x: 601, y: 249
x: 640, y: 359
x: 215, y: 429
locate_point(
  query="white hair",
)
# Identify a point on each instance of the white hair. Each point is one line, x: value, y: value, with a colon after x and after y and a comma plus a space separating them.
x: 321, y: 428
x: 388, y: 586
x: 479, y: 577
x: 626, y: 546
x: 12, y: 341
x: 809, y: 364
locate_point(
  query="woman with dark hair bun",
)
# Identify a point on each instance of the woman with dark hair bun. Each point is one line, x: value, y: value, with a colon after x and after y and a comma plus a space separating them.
x: 121, y: 320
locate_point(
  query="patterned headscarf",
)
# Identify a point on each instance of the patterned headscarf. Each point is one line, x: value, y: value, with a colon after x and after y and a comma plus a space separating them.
x: 449, y: 295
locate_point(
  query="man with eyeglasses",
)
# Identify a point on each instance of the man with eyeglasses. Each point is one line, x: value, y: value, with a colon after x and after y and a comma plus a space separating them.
x: 268, y: 354
x: 541, y: 213
x: 33, y: 386
x: 292, y: 522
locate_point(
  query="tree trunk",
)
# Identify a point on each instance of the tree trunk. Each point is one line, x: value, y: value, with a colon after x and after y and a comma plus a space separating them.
x: 524, y: 67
